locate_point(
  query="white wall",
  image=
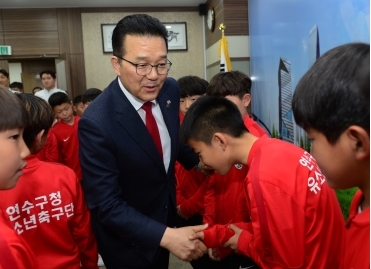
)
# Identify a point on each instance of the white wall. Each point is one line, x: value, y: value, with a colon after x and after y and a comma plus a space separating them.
x: 15, y: 71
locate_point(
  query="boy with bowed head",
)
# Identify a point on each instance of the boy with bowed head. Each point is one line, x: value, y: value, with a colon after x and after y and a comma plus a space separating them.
x: 226, y: 191
x: 294, y: 214
x: 332, y: 103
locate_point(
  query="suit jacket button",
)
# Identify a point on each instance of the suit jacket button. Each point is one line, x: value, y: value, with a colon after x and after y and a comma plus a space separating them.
x: 165, y: 208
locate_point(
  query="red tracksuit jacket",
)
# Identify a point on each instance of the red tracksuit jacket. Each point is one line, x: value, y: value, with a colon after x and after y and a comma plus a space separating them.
x: 357, y: 239
x: 295, y: 216
x: 14, y: 251
x: 224, y: 197
x: 190, y: 189
x: 50, y: 152
x: 47, y: 209
x: 68, y: 144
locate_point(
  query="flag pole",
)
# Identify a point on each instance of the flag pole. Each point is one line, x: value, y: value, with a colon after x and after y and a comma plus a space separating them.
x: 222, y: 28
x: 225, y: 62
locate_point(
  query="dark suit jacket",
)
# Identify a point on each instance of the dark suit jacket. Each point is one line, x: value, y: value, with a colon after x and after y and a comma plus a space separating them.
x: 126, y: 186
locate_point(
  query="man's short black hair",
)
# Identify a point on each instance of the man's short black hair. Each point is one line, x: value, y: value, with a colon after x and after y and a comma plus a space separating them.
x: 136, y: 25
x: 58, y: 98
x: 211, y: 114
x: 4, y: 72
x: 335, y: 92
x: 49, y: 72
x: 192, y: 85
x: 90, y: 95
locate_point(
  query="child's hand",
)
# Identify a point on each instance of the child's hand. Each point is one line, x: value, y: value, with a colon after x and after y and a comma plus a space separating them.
x: 233, y: 241
x: 213, y: 255
x: 180, y: 213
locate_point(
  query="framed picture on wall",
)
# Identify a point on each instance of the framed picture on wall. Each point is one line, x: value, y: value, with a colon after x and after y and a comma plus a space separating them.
x: 107, y: 30
x: 177, y: 35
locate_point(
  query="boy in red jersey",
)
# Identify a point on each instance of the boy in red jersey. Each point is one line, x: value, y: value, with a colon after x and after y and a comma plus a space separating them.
x: 47, y: 207
x: 15, y: 252
x: 294, y: 214
x: 66, y: 131
x: 226, y: 191
x: 332, y: 103
x: 191, y: 184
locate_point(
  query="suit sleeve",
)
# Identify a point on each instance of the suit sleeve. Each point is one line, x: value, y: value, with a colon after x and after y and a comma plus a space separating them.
x: 102, y: 191
x: 187, y: 157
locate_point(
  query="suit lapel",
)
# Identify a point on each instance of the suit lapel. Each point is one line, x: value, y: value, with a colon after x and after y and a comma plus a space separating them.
x: 130, y: 120
x: 170, y: 117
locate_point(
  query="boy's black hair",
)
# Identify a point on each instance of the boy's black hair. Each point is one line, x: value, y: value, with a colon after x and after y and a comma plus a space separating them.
x: 90, y: 95
x: 77, y: 100
x: 192, y: 85
x: 49, y: 72
x: 211, y: 114
x: 4, y: 72
x: 229, y: 83
x: 18, y: 85
x: 41, y: 117
x: 13, y: 114
x: 335, y: 92
x: 36, y: 87
x: 136, y: 25
x: 58, y: 98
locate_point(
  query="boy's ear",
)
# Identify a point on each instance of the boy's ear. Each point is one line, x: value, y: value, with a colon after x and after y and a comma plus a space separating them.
x: 246, y: 99
x: 39, y: 138
x: 360, y: 141
x: 74, y: 108
x: 220, y: 139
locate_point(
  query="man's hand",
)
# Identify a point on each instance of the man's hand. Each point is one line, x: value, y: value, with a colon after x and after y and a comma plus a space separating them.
x: 213, y: 255
x: 180, y: 213
x: 233, y: 241
x: 178, y: 243
x: 198, y: 235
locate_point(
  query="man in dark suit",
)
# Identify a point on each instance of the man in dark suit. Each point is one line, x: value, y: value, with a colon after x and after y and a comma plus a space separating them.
x: 128, y: 175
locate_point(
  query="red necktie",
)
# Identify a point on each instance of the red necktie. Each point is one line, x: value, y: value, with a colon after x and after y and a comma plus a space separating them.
x: 152, y: 126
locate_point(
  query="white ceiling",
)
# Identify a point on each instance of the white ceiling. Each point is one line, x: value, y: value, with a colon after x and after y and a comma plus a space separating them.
x: 97, y: 3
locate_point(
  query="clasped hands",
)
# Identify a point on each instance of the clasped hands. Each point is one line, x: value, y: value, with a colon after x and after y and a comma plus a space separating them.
x: 231, y: 243
x: 177, y: 241
x: 185, y: 243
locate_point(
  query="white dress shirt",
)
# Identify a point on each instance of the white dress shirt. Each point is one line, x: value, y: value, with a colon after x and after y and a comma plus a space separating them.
x: 45, y: 94
x: 156, y: 111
